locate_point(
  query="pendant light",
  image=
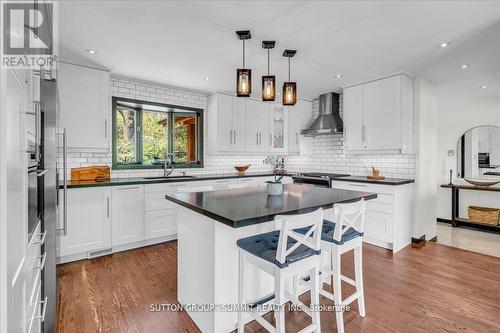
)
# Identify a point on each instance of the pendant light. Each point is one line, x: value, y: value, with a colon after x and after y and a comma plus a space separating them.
x: 243, y: 75
x: 268, y: 81
x: 289, y: 88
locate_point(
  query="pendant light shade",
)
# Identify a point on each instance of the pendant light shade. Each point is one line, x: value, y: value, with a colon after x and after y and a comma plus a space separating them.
x: 243, y: 75
x: 289, y: 93
x: 289, y: 88
x: 268, y: 81
x: 243, y: 82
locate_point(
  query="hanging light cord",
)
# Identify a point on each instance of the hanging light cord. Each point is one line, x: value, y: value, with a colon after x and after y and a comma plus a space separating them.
x: 243, y: 53
x: 288, y: 69
x: 268, y: 62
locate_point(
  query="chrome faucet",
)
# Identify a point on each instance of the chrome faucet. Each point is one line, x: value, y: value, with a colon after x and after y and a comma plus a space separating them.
x: 168, y: 166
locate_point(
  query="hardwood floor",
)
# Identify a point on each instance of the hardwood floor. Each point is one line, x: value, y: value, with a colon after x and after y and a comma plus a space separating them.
x: 433, y: 289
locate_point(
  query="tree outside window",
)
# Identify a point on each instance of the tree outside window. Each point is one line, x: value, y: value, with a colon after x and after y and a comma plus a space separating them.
x: 144, y: 132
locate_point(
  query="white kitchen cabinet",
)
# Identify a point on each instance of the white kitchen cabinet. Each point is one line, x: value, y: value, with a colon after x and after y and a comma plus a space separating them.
x: 84, y: 105
x: 378, y: 115
x: 89, y: 221
x: 160, y: 223
x: 127, y: 214
x: 278, y: 129
x: 161, y: 214
x: 226, y: 124
x: 353, y: 117
x: 257, y: 126
x: 389, y: 217
x: 299, y: 117
x: 239, y: 135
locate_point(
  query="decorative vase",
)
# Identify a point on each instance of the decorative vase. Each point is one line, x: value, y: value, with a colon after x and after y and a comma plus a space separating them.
x: 275, y: 188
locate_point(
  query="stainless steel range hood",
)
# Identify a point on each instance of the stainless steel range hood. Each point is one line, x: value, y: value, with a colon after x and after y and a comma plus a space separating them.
x: 328, y: 121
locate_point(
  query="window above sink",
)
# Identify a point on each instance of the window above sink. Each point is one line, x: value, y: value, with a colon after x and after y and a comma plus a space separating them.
x: 144, y: 132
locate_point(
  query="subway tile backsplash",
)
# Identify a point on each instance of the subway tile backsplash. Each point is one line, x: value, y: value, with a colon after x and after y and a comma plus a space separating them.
x: 328, y: 151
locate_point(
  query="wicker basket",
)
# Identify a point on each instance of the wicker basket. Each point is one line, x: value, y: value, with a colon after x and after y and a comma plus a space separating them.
x: 484, y: 215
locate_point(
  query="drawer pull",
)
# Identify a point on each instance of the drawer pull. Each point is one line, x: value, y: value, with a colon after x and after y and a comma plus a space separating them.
x: 357, y: 185
x: 44, y: 304
x: 42, y: 261
x: 222, y: 181
x: 178, y: 185
x: 42, y: 236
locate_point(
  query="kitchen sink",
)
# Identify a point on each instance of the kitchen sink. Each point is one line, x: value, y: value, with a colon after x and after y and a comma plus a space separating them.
x: 170, y: 177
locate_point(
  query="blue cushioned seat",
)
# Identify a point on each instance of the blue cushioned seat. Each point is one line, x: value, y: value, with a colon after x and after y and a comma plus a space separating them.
x: 265, y: 246
x: 327, y: 233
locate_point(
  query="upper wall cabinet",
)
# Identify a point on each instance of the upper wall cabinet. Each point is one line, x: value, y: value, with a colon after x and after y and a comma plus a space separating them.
x: 378, y: 116
x: 84, y: 103
x: 257, y: 126
x: 299, y: 117
x: 248, y: 126
x: 226, y: 124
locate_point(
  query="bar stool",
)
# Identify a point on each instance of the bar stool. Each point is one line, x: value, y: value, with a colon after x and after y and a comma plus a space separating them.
x: 344, y: 235
x: 283, y: 253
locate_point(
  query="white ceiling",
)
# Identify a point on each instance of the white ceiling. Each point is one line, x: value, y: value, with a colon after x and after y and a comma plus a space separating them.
x: 180, y: 43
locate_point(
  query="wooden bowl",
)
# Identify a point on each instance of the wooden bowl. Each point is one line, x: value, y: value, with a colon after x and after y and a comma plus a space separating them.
x: 482, y: 182
x: 241, y: 169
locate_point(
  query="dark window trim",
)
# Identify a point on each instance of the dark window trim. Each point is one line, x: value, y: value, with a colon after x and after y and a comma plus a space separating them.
x: 139, y: 165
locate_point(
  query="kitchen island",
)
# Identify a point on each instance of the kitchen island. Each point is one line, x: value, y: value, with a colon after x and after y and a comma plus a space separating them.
x: 209, y: 225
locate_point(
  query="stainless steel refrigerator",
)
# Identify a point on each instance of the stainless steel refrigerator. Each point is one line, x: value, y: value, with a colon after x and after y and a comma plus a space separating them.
x: 49, y: 156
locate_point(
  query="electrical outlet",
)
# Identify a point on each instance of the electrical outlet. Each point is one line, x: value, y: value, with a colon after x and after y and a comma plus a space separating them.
x: 451, y: 152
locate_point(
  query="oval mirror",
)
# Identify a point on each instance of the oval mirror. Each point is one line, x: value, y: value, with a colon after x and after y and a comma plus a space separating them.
x: 478, y: 153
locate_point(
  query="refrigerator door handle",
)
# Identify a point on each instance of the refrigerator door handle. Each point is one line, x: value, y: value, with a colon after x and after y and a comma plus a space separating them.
x: 64, y: 229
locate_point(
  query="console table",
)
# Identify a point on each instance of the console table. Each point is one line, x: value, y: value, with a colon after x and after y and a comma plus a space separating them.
x: 455, y: 219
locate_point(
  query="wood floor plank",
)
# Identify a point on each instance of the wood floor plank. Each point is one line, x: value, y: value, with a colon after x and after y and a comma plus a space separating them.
x: 432, y: 289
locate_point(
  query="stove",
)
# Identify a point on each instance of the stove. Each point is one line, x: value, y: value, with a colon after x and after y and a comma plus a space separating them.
x: 320, y: 179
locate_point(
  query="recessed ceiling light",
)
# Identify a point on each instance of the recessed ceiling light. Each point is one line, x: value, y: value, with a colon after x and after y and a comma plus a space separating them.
x: 207, y: 78
x: 484, y: 86
x: 338, y: 76
x: 443, y: 45
x: 464, y: 66
x: 91, y: 51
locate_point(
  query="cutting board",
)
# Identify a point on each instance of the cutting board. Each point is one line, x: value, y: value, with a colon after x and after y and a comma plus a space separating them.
x: 95, y: 172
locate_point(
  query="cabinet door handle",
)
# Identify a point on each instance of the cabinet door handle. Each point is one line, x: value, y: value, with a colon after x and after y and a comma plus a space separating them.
x: 257, y: 138
x: 107, y: 207
x: 106, y: 128
x: 42, y: 316
x: 297, y: 138
x: 363, y: 133
x: 234, y: 133
x: 260, y: 138
x: 270, y: 140
x: 65, y: 184
x: 42, y: 258
x: 231, y: 137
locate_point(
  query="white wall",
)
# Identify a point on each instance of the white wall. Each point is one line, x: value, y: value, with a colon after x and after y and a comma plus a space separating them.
x: 459, y: 112
x: 426, y: 109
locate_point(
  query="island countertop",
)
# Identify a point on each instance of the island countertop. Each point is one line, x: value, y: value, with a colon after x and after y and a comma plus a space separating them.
x: 247, y: 206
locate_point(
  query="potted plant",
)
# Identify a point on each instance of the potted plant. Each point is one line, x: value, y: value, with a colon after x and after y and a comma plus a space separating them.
x: 275, y: 187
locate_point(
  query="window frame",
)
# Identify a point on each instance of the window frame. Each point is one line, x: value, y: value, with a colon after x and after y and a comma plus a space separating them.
x: 170, y: 138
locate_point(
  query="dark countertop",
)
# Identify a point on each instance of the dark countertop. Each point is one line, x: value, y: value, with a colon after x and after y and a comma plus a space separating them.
x: 247, y: 206
x: 170, y: 179
x: 387, y: 181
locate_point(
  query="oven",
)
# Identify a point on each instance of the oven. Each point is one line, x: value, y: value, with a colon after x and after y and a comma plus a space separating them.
x: 33, y: 209
x: 316, y: 179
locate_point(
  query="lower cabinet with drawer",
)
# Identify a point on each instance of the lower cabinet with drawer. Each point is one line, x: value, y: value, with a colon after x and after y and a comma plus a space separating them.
x: 88, y: 225
x: 389, y: 217
x: 127, y: 214
x: 104, y: 220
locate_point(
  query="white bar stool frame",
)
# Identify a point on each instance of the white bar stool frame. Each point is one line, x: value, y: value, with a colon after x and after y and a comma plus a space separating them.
x: 346, y: 216
x: 311, y: 265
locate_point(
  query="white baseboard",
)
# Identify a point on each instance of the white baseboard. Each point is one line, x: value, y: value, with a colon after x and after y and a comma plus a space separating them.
x: 120, y: 248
